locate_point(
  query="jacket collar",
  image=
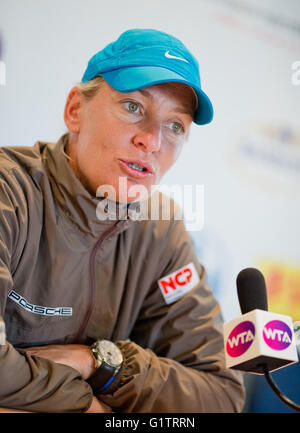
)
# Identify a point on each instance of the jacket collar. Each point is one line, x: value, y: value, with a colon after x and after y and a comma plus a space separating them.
x: 76, y: 203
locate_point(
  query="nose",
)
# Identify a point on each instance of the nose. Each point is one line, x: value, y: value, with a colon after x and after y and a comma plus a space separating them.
x: 148, y: 140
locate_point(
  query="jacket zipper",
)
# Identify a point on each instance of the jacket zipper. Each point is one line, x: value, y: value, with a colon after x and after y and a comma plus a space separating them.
x: 92, y: 281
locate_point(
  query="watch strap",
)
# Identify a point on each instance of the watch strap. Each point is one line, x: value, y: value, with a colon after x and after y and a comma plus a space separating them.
x: 102, y: 377
x: 114, y: 383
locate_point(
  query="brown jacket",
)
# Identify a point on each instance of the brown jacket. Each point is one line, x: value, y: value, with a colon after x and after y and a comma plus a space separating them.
x: 67, y: 277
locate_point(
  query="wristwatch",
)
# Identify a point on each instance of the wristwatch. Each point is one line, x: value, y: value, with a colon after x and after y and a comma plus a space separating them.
x: 108, y: 362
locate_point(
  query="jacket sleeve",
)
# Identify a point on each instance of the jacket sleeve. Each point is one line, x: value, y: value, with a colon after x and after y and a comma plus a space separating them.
x: 175, y: 359
x: 27, y: 382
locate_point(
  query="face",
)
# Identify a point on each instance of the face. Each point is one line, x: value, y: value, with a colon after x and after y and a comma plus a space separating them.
x: 137, y: 135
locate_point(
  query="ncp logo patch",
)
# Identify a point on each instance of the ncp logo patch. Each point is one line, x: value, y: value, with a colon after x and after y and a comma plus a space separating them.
x: 177, y: 284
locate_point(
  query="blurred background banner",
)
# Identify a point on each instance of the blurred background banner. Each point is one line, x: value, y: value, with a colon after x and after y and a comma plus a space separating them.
x: 248, y: 159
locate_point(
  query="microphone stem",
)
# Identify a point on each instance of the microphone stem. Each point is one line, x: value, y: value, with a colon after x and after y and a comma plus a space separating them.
x: 277, y: 391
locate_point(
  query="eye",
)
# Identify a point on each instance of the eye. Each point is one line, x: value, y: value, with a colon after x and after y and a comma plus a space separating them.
x: 132, y: 107
x: 177, y: 128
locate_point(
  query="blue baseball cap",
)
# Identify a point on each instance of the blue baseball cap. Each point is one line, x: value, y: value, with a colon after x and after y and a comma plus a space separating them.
x: 140, y: 58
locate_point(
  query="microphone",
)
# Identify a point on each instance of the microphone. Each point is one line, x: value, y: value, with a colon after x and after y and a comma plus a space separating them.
x: 259, y: 341
x: 251, y: 288
x: 258, y: 337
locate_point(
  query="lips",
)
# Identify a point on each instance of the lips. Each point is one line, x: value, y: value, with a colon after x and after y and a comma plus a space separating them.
x: 137, y: 168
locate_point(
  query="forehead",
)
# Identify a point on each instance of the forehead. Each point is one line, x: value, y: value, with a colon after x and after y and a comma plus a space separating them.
x: 180, y: 96
x: 180, y: 92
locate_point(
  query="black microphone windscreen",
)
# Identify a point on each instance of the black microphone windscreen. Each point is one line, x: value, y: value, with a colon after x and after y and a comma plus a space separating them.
x: 251, y: 288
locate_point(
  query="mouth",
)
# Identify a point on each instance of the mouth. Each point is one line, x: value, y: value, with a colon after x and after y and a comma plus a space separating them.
x: 137, y: 168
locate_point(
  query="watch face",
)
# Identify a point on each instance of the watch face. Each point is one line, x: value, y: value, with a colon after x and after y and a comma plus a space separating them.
x: 110, y: 353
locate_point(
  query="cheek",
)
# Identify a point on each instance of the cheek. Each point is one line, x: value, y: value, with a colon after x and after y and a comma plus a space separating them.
x: 177, y: 151
x: 168, y: 156
x: 105, y: 137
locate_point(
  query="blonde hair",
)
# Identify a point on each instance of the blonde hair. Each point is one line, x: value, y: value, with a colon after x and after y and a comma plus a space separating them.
x: 90, y: 88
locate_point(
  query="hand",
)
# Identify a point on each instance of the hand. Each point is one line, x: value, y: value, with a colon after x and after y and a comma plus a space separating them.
x: 77, y: 356
x: 98, y: 406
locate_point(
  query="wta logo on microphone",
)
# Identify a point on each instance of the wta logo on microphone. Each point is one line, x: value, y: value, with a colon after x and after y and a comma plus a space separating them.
x: 240, y: 339
x: 277, y: 335
x: 258, y: 338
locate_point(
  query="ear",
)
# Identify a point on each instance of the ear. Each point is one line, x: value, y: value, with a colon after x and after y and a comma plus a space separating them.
x: 72, y: 110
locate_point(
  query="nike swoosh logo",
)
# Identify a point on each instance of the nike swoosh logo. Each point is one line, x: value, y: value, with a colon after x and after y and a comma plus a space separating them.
x: 169, y: 56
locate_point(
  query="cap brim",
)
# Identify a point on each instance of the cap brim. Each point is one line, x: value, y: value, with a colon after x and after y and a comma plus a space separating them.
x: 139, y: 77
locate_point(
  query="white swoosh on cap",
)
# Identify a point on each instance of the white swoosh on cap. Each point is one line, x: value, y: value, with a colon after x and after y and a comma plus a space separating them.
x: 169, y: 56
